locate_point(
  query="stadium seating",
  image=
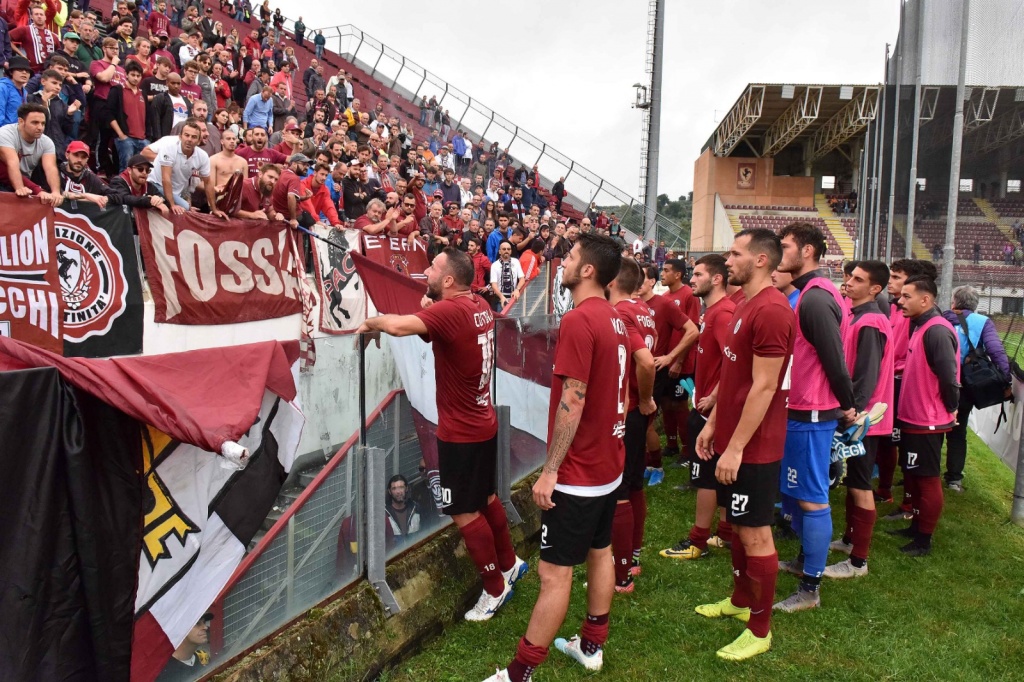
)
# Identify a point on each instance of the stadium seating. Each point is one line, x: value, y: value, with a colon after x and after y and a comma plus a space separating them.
x: 776, y: 223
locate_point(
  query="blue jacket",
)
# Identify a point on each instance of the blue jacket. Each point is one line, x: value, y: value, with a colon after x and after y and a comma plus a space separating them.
x: 10, y: 99
x: 494, y: 240
x: 983, y: 335
x: 259, y: 113
x: 458, y: 146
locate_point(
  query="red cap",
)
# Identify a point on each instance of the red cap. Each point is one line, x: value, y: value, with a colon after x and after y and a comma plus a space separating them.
x: 292, y: 126
x: 78, y: 147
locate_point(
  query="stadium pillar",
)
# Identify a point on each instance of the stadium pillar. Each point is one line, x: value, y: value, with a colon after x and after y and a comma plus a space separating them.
x: 916, y: 129
x: 654, y: 128
x: 895, y: 140
x: 879, y: 150
x: 861, y: 196
x: 949, y: 248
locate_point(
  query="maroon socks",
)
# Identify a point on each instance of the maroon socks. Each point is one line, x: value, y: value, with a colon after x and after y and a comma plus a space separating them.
x: 494, y: 512
x: 480, y: 545
x: 622, y: 541
x: 761, y: 574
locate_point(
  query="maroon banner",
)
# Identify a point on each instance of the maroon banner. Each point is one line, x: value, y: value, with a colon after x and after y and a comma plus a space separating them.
x: 203, y: 270
x: 398, y: 254
x: 30, y: 284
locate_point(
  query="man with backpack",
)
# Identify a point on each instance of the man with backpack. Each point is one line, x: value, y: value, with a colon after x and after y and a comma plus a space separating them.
x: 980, y: 340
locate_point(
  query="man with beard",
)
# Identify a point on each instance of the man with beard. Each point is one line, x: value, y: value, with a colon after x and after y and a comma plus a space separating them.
x: 378, y: 218
x: 747, y: 430
x: 78, y: 183
x: 289, y: 194
x: 576, y: 491
x: 402, y: 512
x: 708, y: 282
x: 507, y: 279
x: 481, y: 266
x: 257, y: 195
x: 354, y: 191
x: 228, y: 172
x: 461, y: 328
x: 258, y: 154
x: 133, y: 186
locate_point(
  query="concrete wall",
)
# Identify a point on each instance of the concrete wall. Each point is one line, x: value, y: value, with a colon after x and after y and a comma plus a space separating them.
x: 350, y: 638
x: 718, y: 176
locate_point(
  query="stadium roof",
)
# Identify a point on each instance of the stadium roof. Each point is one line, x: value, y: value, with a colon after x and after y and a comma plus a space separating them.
x: 769, y: 116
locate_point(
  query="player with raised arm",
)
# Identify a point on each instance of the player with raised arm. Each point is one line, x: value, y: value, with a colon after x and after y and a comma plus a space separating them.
x: 461, y: 327
x: 708, y: 282
x: 577, y: 487
x: 747, y: 430
x: 869, y: 357
x: 631, y: 510
x: 820, y: 398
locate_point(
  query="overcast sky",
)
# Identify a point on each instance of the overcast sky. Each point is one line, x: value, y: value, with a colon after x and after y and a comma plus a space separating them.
x: 564, y: 70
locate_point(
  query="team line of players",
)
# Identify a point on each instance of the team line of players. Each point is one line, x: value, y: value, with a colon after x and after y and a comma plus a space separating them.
x: 757, y: 428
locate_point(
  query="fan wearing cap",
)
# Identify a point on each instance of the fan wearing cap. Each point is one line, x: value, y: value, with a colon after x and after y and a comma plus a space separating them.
x: 292, y: 141
x: 78, y: 183
x: 133, y: 188
x: 12, y: 89
x: 23, y: 150
x: 188, y: 659
x: 289, y: 193
x: 36, y: 40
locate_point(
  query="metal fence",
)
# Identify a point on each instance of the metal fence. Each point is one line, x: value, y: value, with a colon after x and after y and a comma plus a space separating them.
x: 412, y: 81
x: 334, y: 533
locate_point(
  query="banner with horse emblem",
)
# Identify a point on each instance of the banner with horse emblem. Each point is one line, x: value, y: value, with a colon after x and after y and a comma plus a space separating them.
x: 342, y: 297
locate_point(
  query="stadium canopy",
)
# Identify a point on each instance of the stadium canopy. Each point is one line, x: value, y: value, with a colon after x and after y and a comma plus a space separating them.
x: 768, y: 118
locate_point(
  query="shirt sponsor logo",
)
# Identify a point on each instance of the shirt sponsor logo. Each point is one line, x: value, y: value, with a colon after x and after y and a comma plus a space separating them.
x: 736, y: 329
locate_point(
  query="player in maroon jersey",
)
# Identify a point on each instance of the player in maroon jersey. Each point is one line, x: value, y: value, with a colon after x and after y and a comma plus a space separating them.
x: 747, y: 430
x: 673, y: 327
x: 674, y: 401
x: 631, y: 510
x: 708, y: 281
x: 576, y: 490
x: 461, y: 325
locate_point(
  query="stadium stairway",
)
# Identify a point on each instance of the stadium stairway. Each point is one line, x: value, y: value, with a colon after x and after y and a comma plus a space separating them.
x: 734, y: 220
x: 834, y: 225
x: 1005, y: 225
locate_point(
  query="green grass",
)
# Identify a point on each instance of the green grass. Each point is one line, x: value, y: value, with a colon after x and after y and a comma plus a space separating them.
x: 955, y: 615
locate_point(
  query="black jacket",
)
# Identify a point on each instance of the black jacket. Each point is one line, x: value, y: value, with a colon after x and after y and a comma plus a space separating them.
x: 58, y: 123
x: 160, y: 116
x: 119, y: 188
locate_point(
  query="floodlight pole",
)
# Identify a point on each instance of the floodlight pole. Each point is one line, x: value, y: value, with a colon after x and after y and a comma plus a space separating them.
x: 877, y: 170
x: 949, y: 248
x: 916, y: 128
x: 895, y: 140
x: 654, y: 125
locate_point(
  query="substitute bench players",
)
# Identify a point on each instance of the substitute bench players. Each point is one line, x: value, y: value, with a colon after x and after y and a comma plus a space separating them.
x: 747, y: 430
x: 461, y: 326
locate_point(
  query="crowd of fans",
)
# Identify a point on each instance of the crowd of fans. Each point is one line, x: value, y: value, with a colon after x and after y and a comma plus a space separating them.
x: 842, y: 204
x: 114, y: 110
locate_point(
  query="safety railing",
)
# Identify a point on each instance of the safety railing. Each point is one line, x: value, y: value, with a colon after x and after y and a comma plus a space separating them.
x: 412, y: 81
x: 337, y: 533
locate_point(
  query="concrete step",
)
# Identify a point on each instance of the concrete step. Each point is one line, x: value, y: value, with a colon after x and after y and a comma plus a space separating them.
x: 272, y: 518
x: 256, y: 540
x: 287, y: 497
x: 306, y: 477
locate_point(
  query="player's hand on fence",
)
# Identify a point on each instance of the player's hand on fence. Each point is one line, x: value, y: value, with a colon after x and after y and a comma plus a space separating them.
x: 543, y: 489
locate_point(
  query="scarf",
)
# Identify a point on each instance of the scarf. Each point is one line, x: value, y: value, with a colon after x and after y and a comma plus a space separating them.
x: 506, y: 283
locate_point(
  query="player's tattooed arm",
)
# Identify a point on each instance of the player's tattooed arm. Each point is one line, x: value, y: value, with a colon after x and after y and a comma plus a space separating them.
x: 567, y: 421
